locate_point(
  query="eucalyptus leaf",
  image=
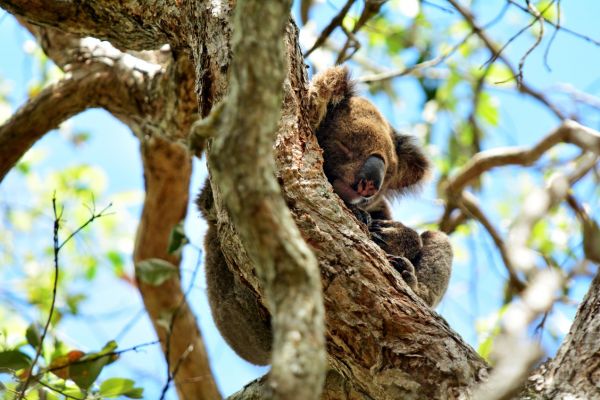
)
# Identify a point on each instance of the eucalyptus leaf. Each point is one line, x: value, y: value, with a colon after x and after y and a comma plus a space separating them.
x: 155, y: 271
x: 12, y: 360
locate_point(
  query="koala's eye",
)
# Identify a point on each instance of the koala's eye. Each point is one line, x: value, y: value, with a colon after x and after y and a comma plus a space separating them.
x: 343, y: 149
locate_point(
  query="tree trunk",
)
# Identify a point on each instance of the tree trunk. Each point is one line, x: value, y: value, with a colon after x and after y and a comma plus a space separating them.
x: 382, y: 341
x: 380, y: 336
x: 574, y: 373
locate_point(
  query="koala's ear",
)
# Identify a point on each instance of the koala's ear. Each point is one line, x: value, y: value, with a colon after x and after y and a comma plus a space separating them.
x: 413, y: 165
x: 328, y: 89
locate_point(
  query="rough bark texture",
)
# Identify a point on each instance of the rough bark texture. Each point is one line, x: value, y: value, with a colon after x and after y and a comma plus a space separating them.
x: 574, y: 373
x: 132, y: 25
x: 243, y: 170
x: 153, y: 94
x: 380, y: 336
x: 383, y: 342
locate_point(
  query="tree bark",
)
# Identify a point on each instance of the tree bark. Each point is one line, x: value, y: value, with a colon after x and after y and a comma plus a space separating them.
x: 154, y: 96
x: 167, y: 171
x: 382, y: 341
x: 381, y: 337
x: 574, y: 373
x: 243, y: 170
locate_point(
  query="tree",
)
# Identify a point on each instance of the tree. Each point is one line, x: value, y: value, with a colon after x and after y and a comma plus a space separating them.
x: 382, y: 341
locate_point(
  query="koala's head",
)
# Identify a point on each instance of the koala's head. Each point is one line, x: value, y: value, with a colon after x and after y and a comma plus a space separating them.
x: 364, y: 158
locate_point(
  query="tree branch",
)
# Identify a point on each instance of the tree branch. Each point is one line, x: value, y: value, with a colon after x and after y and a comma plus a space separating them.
x: 334, y: 23
x: 45, y: 112
x: 468, y: 203
x: 578, y: 352
x: 142, y: 94
x: 496, y: 53
x: 381, y: 337
x: 167, y: 169
x: 133, y: 25
x: 569, y: 132
x: 243, y: 170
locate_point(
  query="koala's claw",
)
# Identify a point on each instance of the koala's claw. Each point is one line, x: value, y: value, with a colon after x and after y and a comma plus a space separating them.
x: 405, y: 268
x: 376, y: 237
x: 361, y: 215
x: 379, y: 224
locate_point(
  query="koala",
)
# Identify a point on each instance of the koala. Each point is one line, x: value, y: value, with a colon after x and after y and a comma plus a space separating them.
x: 365, y: 161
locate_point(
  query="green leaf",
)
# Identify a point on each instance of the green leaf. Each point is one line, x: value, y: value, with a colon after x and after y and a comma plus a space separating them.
x: 73, y: 302
x: 12, y: 360
x: 33, y: 335
x: 155, y: 271
x: 135, y: 393
x: 117, y: 261
x: 488, y: 109
x: 85, y: 371
x: 177, y: 239
x: 109, y: 347
x: 114, y: 387
x: 547, y: 9
x: 73, y: 392
x: 500, y: 75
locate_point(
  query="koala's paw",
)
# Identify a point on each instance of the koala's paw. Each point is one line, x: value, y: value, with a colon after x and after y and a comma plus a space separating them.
x: 361, y: 215
x: 406, y: 269
x: 396, y: 239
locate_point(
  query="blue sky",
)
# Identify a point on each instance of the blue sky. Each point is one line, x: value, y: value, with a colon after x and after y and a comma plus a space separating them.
x: 476, y: 287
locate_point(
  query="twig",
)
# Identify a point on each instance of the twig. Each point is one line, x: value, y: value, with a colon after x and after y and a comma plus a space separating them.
x: 55, y: 390
x: 558, y: 26
x: 130, y: 324
x: 56, y: 248
x: 94, y: 216
x: 178, y: 364
x: 171, y: 375
x: 334, y: 23
x: 40, y: 345
x: 371, y: 8
x: 568, y: 132
x: 408, y: 70
x: 556, y: 29
x: 439, y: 7
x: 135, y: 348
x: 351, y: 43
x: 538, y: 39
x: 577, y: 95
x: 524, y: 88
x: 497, y: 54
x: 497, y: 18
x: 469, y: 205
x: 450, y: 220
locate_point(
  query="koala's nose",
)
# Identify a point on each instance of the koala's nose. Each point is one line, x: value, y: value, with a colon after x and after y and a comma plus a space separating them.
x: 370, y: 177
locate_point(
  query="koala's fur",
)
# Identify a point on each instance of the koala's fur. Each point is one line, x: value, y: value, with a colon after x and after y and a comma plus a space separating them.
x: 351, y: 131
x: 366, y: 161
